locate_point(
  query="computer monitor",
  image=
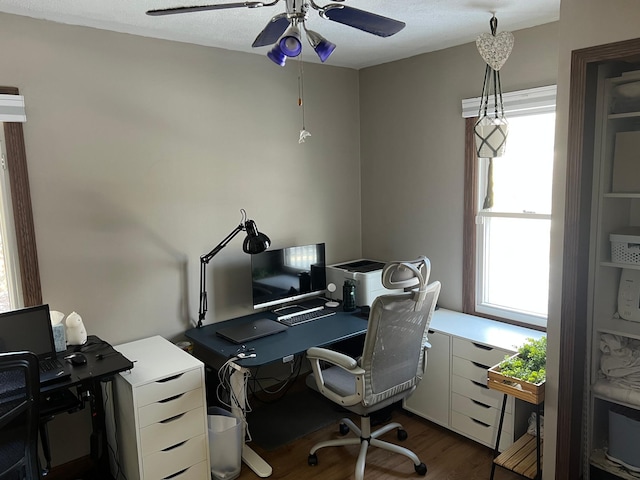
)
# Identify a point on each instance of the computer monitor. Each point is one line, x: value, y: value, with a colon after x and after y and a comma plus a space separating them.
x: 280, y: 276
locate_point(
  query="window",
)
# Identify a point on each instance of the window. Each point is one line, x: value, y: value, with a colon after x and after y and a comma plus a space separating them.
x: 508, y: 248
x: 10, y: 288
x: 18, y: 239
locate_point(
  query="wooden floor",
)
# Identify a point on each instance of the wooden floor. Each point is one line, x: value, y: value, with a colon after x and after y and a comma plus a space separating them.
x: 448, y: 456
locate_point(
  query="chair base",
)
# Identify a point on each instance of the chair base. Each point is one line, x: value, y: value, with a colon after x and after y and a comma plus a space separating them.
x: 367, y: 438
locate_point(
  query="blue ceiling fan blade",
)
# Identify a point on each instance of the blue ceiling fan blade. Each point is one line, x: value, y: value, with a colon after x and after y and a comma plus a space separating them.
x: 365, y: 21
x: 272, y: 32
x: 203, y: 8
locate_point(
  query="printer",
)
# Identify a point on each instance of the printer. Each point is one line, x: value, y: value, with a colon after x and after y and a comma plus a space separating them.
x: 365, y: 274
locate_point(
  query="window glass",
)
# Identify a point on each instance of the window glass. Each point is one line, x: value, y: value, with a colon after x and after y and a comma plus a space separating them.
x: 522, y: 177
x: 517, y: 264
x: 513, y: 236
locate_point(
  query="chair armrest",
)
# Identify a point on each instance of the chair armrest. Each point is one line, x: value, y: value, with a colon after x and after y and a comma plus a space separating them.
x: 345, y: 362
x: 335, y: 358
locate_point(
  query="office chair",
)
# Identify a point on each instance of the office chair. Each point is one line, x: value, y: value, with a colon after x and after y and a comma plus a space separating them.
x: 392, y: 362
x: 19, y: 397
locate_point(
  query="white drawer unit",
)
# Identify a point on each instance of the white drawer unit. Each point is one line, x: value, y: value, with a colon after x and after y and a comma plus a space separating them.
x: 454, y: 391
x: 160, y: 413
x: 476, y: 409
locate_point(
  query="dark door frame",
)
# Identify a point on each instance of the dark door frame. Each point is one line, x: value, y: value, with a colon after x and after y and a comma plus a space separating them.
x: 573, y: 348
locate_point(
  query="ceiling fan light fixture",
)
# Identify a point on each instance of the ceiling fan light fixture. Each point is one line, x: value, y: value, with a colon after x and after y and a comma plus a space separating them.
x: 323, y: 47
x: 277, y: 56
x: 290, y: 43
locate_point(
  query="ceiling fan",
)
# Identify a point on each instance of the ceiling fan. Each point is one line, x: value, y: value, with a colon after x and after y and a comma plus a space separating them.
x: 283, y: 30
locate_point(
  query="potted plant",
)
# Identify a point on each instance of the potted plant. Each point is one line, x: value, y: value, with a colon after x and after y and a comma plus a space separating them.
x: 522, y: 375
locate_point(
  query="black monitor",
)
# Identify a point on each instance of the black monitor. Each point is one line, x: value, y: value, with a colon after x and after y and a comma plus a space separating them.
x: 283, y: 275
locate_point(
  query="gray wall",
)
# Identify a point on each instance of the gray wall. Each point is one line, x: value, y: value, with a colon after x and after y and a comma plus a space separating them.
x: 141, y: 153
x: 412, y: 143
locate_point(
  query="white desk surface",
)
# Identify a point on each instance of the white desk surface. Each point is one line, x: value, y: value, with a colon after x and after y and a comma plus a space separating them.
x: 482, y: 330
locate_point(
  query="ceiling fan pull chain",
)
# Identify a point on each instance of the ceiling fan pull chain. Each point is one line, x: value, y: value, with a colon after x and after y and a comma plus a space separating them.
x: 303, y: 133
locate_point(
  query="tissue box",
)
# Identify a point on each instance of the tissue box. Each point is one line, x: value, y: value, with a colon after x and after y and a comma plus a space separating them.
x: 59, y: 337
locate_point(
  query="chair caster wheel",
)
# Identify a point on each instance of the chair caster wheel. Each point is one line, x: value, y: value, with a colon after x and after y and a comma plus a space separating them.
x: 421, y: 469
x: 344, y: 429
x: 313, y: 460
x: 402, y: 434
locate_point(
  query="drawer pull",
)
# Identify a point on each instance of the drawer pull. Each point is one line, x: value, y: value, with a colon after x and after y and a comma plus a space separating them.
x: 481, y: 423
x: 176, y: 474
x: 480, y: 384
x: 169, y: 379
x: 174, y: 446
x: 173, y: 419
x: 480, y: 403
x: 479, y: 365
x: 171, y: 399
x: 483, y: 347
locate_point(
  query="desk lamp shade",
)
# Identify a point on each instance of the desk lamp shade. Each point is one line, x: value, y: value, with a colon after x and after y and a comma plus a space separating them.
x: 255, y: 242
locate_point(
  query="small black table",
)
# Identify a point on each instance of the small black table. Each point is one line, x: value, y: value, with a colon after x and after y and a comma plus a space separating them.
x: 103, y: 362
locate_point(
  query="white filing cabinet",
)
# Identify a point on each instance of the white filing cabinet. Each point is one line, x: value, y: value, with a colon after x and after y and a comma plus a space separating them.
x: 454, y: 392
x: 475, y: 409
x: 160, y: 413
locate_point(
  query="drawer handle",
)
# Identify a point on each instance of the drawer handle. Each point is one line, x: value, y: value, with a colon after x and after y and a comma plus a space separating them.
x: 169, y: 379
x: 171, y: 399
x: 480, y: 384
x: 483, y: 347
x: 174, y: 446
x: 176, y: 474
x: 486, y: 425
x: 480, y: 403
x: 479, y: 365
x: 172, y: 419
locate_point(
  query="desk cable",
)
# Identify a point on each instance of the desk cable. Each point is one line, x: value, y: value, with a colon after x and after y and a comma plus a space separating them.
x: 115, y: 454
x: 225, y: 392
x: 285, y: 384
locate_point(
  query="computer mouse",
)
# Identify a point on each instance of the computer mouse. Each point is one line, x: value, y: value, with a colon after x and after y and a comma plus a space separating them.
x: 77, y: 359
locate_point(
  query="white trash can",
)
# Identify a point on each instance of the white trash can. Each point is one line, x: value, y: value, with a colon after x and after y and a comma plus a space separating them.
x: 225, y: 444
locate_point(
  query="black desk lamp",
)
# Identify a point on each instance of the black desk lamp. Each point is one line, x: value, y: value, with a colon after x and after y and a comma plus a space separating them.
x: 255, y: 242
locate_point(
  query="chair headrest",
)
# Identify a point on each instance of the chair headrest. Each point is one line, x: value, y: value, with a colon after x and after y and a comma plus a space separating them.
x: 410, y: 275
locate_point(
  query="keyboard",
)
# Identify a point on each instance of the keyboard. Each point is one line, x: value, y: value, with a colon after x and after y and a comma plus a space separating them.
x: 48, y: 365
x: 297, y: 319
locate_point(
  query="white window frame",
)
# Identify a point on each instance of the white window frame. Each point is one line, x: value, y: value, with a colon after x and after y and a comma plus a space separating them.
x: 523, y: 102
x: 8, y: 231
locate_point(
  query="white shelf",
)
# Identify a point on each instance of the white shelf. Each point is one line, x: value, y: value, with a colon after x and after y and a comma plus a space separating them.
x: 599, y: 460
x: 622, y: 195
x: 620, y: 265
x: 625, y: 115
x: 622, y: 327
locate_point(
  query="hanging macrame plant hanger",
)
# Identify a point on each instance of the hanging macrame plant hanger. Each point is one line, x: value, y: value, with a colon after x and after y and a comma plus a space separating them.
x: 491, y: 128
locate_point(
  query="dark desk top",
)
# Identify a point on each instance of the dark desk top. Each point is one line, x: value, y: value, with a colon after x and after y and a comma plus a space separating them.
x: 102, y: 362
x: 213, y: 349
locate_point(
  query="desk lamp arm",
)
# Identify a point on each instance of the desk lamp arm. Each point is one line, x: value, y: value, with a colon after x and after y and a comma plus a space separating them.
x: 204, y: 260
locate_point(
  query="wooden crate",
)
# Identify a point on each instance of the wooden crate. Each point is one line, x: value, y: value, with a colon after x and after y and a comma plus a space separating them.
x: 529, y: 392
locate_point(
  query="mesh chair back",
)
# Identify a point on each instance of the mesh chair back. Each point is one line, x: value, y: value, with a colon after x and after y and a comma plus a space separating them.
x: 19, y: 396
x: 394, y: 353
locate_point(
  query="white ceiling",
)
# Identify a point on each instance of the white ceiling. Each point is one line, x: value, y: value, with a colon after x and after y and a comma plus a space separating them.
x: 431, y: 24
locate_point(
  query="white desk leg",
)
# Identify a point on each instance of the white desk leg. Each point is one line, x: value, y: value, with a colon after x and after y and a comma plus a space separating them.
x: 254, y: 461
